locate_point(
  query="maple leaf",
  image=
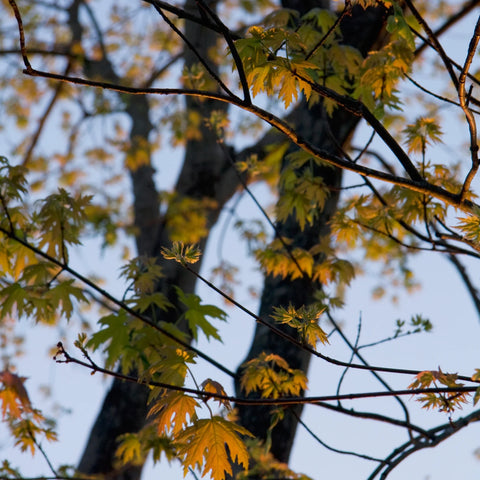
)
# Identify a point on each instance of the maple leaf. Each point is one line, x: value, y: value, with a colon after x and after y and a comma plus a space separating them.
x: 197, y: 313
x: 271, y: 375
x: 211, y: 444
x: 14, y: 397
x: 175, y: 408
x: 130, y: 449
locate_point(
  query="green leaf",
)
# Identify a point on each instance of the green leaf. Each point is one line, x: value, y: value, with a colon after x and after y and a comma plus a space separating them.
x: 130, y: 451
x: 148, y: 300
x: 115, y: 334
x: 144, y: 272
x: 196, y: 314
x: 62, y: 294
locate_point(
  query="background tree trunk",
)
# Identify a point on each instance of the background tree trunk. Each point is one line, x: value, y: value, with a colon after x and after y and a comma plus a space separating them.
x: 363, y: 30
x: 206, y: 173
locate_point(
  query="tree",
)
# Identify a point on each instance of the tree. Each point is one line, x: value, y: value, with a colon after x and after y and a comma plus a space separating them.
x: 299, y: 77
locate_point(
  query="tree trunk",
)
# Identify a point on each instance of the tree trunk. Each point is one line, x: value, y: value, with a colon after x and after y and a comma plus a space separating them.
x: 363, y: 30
x: 206, y: 173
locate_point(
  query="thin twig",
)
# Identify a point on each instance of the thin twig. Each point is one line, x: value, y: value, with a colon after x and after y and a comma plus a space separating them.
x: 416, y: 444
x: 297, y: 343
x: 435, y: 42
x: 233, y: 50
x: 465, y: 9
x: 468, y: 113
x: 328, y: 447
x: 195, y: 52
x: 346, y: 9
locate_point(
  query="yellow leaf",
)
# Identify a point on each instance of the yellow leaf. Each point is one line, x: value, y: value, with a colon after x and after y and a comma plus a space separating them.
x: 176, y: 410
x: 210, y: 444
x: 211, y: 386
x: 14, y: 397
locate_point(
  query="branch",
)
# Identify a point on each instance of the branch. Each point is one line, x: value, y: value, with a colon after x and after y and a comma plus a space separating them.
x: 346, y: 10
x: 115, y: 301
x: 434, y: 41
x: 412, y: 446
x: 472, y: 290
x: 302, y: 346
x: 328, y: 447
x: 181, y: 13
x: 417, y: 183
x: 283, y: 401
x: 417, y: 186
x: 233, y: 50
x: 374, y: 416
x: 196, y: 53
x: 465, y: 9
x: 468, y: 113
x: 433, y: 94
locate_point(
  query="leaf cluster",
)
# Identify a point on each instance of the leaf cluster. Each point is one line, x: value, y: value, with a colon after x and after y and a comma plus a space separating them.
x: 271, y: 376
x: 305, y: 321
x: 444, y: 402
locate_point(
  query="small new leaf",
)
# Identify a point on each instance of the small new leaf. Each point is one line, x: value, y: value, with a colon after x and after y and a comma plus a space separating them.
x: 182, y: 253
x: 422, y: 133
x: 304, y: 320
x: 271, y: 375
x: 130, y: 449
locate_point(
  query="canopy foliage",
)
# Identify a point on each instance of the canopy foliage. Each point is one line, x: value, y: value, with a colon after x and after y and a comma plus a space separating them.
x: 258, y: 96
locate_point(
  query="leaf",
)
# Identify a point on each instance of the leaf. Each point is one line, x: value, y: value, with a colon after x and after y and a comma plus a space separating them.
x: 476, y: 397
x: 62, y: 293
x: 60, y: 220
x: 130, y: 449
x: 304, y: 320
x: 144, y: 272
x: 196, y: 314
x: 209, y: 445
x: 212, y: 386
x: 423, y: 132
x: 149, y: 300
x: 470, y: 227
x: 115, y: 334
x: 271, y: 375
x: 182, y: 253
x: 173, y: 412
x: 14, y: 397
x: 445, y: 402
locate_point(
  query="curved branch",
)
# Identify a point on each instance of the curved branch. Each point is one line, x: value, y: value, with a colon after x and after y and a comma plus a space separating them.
x: 462, y: 96
x: 412, y: 446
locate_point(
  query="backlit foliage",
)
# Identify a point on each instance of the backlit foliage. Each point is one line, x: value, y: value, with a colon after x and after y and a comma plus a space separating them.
x: 82, y: 183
